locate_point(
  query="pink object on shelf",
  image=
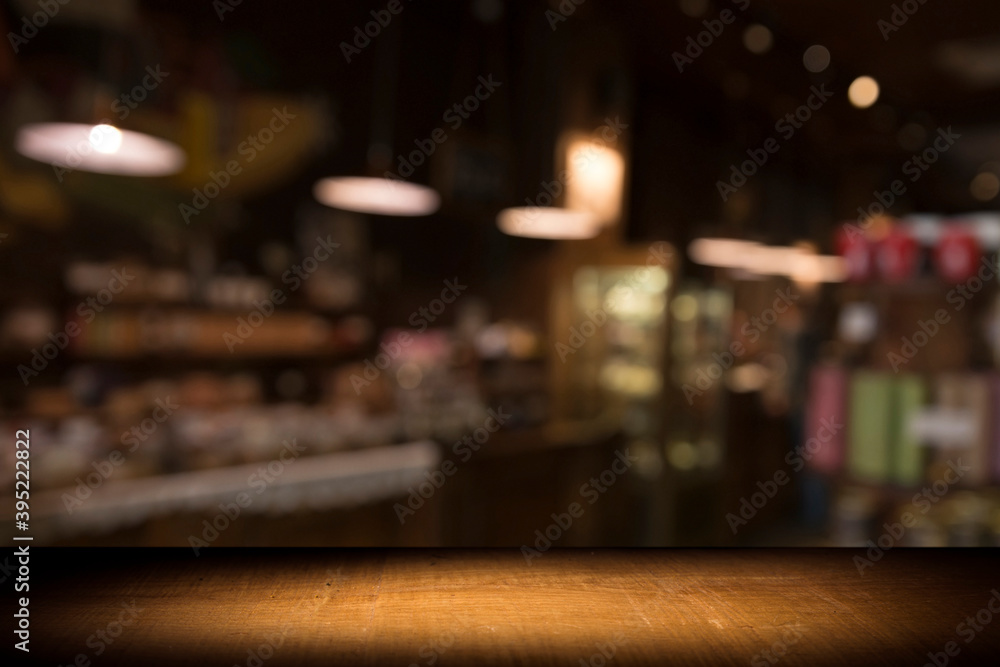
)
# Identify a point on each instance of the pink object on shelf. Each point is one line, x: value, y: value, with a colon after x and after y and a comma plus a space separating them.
x: 826, y: 413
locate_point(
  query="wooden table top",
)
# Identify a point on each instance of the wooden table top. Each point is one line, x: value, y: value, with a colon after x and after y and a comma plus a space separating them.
x: 490, y: 607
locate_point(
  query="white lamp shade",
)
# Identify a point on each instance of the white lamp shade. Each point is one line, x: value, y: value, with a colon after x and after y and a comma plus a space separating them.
x: 720, y: 252
x: 103, y: 149
x: 379, y: 196
x: 751, y: 259
x: 542, y: 222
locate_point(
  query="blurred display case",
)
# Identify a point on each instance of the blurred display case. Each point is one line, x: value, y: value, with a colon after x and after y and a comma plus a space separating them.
x: 700, y: 319
x: 609, y: 355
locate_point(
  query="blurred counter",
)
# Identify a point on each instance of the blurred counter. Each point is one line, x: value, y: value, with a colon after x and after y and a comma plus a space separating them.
x: 280, y: 486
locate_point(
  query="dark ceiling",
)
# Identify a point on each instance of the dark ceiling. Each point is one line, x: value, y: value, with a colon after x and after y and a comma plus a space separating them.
x: 940, y: 68
x: 943, y: 64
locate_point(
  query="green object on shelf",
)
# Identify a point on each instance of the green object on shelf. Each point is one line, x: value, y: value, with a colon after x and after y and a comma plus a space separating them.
x: 907, y: 455
x: 868, y: 453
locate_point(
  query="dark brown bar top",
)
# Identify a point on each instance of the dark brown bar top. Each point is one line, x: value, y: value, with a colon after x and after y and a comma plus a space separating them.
x: 262, y: 608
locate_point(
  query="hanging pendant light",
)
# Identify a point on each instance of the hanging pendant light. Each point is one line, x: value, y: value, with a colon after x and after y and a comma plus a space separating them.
x: 593, y: 183
x: 83, y: 140
x: 102, y: 148
x: 379, y: 195
x: 548, y: 222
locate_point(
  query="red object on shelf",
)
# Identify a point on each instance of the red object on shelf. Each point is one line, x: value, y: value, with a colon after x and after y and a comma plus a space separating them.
x: 896, y: 256
x: 857, y: 253
x: 957, y: 254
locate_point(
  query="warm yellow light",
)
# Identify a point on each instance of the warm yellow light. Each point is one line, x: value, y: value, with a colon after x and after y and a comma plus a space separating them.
x: 595, y: 178
x: 682, y: 455
x: 747, y: 377
x: 757, y: 38
x: 985, y: 186
x: 685, y: 307
x: 693, y: 8
x: 631, y: 379
x: 863, y: 92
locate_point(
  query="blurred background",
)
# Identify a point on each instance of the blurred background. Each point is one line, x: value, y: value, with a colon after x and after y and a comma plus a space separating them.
x: 488, y: 272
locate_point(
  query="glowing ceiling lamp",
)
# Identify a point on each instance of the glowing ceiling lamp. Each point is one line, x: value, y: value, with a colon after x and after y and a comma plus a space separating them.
x: 863, y: 92
x: 377, y: 195
x: 810, y: 268
x: 770, y: 260
x: 101, y: 148
x: 749, y: 259
x: 592, y: 186
x: 94, y: 57
x: 595, y: 177
x: 380, y: 196
x: 721, y: 253
x: 546, y: 222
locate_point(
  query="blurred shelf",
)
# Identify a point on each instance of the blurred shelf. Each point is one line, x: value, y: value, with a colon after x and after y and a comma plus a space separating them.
x: 903, y: 492
x: 335, y: 354
x: 309, y: 482
x: 197, y: 308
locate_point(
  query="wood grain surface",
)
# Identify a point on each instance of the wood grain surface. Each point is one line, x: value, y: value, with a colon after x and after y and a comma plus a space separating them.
x: 490, y: 607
